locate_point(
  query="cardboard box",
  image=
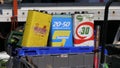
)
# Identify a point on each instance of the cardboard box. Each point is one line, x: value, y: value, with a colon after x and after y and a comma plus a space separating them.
x: 36, y: 29
x: 83, y: 30
x: 61, y: 31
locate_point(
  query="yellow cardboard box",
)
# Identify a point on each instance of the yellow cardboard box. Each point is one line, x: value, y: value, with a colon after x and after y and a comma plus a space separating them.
x: 36, y: 29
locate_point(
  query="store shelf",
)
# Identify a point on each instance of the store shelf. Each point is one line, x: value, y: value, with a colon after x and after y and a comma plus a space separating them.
x: 97, y: 10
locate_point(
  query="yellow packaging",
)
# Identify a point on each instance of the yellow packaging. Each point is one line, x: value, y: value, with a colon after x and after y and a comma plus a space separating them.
x: 36, y: 29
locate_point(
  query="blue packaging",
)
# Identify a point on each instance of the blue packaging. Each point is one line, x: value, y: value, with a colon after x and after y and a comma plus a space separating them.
x: 61, y: 31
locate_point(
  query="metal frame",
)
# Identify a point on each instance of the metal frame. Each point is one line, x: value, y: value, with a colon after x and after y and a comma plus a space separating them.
x: 98, y: 11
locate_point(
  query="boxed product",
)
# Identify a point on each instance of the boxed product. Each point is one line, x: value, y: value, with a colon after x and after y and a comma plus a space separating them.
x: 36, y: 29
x: 61, y: 31
x: 83, y: 27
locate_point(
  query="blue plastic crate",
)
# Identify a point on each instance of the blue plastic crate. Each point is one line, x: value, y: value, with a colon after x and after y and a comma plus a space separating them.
x: 53, y: 50
x: 28, y: 51
x: 83, y: 49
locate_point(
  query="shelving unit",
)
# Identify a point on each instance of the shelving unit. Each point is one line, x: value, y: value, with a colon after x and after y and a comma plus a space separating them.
x: 57, y: 57
x: 70, y: 8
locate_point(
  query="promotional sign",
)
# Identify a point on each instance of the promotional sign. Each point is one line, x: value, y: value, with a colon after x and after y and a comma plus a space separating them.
x: 61, y: 31
x: 83, y: 30
x: 36, y: 29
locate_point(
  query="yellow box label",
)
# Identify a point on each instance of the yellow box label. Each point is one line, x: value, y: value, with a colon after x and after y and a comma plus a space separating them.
x: 36, y: 29
x: 60, y: 34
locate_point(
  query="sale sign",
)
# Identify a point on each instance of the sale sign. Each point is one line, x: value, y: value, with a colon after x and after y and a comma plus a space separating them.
x: 83, y: 30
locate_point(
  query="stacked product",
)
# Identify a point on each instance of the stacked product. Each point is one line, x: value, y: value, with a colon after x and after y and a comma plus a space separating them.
x: 83, y: 30
x: 61, y: 31
x: 36, y: 29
